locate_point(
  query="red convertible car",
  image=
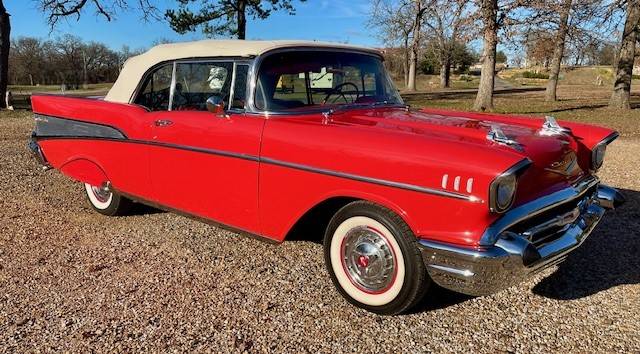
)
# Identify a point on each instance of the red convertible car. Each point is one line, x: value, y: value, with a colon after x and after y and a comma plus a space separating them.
x: 473, y: 202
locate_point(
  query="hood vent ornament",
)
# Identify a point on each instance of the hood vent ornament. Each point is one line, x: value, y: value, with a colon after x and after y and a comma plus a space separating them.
x: 551, y: 127
x: 498, y: 136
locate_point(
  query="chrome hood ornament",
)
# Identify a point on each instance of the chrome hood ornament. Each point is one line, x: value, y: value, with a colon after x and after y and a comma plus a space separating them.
x: 551, y: 127
x: 498, y: 136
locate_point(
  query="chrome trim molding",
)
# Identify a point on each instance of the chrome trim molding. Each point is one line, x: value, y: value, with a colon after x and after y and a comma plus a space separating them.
x: 381, y: 182
x: 610, y: 138
x: 515, y: 170
x: 172, y: 87
x: 487, y: 269
x: 292, y: 165
x: 606, y: 141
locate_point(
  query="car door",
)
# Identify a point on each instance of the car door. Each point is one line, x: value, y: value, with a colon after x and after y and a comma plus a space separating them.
x: 203, y: 163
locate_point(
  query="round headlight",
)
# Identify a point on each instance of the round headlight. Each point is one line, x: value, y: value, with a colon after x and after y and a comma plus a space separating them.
x: 503, y: 192
x: 597, y: 156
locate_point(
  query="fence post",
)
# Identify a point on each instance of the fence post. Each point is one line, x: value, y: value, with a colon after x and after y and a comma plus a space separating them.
x: 7, y: 100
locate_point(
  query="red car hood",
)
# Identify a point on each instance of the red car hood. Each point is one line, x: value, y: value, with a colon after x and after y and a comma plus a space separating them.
x: 553, y: 156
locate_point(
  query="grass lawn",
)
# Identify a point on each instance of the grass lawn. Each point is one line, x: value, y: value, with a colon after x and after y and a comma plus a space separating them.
x: 26, y: 89
x: 582, y: 103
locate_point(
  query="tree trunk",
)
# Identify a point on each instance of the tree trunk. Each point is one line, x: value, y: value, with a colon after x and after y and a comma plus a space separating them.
x: 445, y: 73
x: 85, y: 79
x: 484, y: 99
x: 242, y: 19
x: 415, y: 46
x: 558, y: 53
x: 406, y: 61
x: 31, y: 79
x: 622, y: 86
x: 5, y: 32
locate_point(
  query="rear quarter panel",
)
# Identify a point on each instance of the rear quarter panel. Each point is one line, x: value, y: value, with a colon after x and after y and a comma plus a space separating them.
x: 95, y: 159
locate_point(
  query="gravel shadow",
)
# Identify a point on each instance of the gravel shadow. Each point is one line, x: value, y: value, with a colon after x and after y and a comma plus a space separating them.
x: 143, y: 209
x: 608, y: 258
x: 438, y: 298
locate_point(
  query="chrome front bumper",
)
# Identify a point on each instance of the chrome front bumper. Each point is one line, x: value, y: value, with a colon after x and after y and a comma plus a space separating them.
x: 527, y: 239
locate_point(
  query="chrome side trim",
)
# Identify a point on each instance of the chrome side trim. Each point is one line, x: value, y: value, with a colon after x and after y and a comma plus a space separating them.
x: 292, y: 165
x: 381, y: 182
x: 535, y: 207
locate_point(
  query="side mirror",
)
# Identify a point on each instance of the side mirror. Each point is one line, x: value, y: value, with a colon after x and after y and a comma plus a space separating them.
x: 215, y: 105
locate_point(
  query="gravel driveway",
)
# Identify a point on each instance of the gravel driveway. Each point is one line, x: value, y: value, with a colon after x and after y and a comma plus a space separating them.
x: 72, y: 280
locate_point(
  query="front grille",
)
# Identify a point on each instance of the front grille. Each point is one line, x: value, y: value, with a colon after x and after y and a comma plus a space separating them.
x: 549, y: 225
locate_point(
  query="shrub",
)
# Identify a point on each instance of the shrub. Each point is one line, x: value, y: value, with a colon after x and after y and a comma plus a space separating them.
x: 534, y: 75
x: 635, y: 77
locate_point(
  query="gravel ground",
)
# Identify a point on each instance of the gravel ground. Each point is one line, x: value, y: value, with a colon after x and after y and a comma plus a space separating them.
x: 73, y: 280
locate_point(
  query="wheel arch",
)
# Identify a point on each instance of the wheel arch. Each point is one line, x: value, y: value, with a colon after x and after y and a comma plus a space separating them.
x: 85, y: 170
x: 311, y: 224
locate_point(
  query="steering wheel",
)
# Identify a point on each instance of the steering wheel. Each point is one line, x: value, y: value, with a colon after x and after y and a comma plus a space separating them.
x: 338, y: 91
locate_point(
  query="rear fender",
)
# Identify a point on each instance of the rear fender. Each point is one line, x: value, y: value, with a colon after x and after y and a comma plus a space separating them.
x: 85, y: 171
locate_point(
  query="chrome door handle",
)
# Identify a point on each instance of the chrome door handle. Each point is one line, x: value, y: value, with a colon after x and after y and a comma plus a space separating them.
x: 163, y: 123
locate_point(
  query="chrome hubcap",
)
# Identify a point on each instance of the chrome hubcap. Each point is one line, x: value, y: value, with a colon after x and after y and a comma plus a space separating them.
x: 101, y: 193
x: 368, y: 259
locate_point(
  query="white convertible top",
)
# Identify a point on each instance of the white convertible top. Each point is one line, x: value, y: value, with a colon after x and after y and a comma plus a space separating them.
x: 135, y: 67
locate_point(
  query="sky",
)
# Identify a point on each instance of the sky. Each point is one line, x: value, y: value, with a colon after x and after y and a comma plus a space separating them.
x: 324, y: 20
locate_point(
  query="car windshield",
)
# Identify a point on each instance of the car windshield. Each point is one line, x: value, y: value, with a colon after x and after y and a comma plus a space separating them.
x: 302, y: 81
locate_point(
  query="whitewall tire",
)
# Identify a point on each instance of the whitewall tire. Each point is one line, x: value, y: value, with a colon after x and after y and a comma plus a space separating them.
x: 105, y: 201
x: 373, y: 260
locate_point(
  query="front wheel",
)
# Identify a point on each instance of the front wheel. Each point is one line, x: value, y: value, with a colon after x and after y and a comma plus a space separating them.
x: 107, y: 202
x: 373, y: 260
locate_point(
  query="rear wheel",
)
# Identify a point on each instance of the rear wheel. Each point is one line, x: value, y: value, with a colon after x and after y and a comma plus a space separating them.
x: 373, y: 260
x: 107, y: 202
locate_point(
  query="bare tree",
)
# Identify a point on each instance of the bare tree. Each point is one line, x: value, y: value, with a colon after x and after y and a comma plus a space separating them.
x: 447, y: 22
x: 418, y: 11
x: 55, y: 10
x: 624, y: 70
x: 558, y: 53
x: 392, y: 21
x: 489, y: 16
x: 26, y: 58
x: 5, y: 47
x: 65, y: 60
